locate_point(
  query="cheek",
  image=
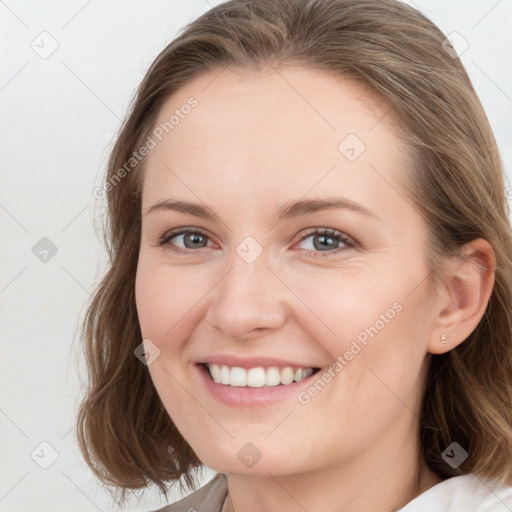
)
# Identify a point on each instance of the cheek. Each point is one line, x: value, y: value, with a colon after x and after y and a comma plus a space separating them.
x: 390, y: 351
x: 149, y: 300
x: 163, y: 296
x: 368, y: 320
x: 163, y: 318
x: 349, y: 304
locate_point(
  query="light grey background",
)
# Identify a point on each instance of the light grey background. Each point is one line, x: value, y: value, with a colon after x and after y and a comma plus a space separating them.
x: 60, y: 114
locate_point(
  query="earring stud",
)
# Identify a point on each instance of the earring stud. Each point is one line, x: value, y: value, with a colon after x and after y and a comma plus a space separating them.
x: 443, y: 338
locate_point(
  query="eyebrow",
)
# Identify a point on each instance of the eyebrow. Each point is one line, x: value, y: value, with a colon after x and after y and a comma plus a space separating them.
x: 286, y: 211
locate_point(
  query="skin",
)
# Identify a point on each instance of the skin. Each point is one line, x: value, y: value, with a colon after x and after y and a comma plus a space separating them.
x: 254, y: 142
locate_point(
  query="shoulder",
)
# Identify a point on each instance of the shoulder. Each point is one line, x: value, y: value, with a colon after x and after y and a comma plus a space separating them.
x: 208, y: 498
x: 463, y: 493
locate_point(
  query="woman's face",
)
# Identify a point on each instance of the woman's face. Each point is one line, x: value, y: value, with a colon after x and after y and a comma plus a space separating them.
x: 231, y: 273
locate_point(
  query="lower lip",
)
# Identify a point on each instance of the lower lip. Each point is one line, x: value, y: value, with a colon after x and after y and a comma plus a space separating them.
x: 238, y: 396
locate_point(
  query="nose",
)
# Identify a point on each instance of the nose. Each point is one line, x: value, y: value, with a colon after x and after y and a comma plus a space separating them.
x: 248, y: 301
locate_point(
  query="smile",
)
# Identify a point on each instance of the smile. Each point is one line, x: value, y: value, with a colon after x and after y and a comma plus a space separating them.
x: 257, y: 377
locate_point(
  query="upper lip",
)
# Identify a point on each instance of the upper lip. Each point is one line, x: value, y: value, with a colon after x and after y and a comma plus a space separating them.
x: 253, y: 362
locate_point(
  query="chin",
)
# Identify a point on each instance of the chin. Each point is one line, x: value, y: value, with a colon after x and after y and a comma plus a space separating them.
x: 246, y: 461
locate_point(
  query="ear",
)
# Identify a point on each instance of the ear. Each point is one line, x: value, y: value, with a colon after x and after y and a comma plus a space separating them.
x: 466, y: 292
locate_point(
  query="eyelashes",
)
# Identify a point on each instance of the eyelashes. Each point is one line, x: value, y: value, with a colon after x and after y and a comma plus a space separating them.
x: 324, y: 235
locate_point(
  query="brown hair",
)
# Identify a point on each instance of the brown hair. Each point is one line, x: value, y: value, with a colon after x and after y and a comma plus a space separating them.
x: 457, y: 182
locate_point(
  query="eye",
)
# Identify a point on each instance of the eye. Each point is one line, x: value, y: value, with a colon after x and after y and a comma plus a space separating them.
x: 192, y: 238
x: 324, y: 239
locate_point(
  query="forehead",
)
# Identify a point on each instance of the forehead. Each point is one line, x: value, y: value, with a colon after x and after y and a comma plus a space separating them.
x: 279, y: 132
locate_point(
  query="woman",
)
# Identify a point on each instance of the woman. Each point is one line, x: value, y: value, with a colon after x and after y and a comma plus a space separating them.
x: 310, y: 288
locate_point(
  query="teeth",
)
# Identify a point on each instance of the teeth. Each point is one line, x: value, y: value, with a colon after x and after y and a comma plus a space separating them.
x: 238, y: 377
x: 273, y: 377
x: 225, y: 375
x: 256, y: 377
x: 287, y: 375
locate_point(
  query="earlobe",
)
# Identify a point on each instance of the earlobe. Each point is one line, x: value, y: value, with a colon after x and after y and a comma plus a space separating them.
x: 466, y: 293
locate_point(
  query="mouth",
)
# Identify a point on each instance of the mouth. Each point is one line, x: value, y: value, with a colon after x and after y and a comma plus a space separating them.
x: 257, y: 377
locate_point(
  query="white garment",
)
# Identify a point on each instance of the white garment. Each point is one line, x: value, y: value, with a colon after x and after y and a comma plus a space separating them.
x: 466, y: 493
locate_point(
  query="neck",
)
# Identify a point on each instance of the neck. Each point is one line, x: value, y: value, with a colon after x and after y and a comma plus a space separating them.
x: 386, y: 475
x: 426, y: 483
x: 276, y: 495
